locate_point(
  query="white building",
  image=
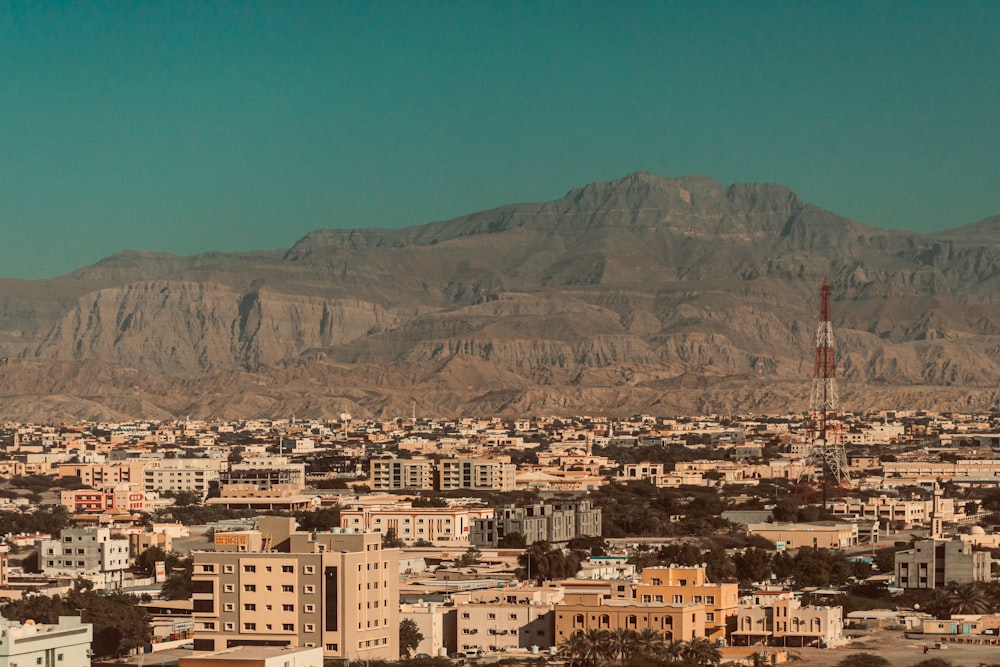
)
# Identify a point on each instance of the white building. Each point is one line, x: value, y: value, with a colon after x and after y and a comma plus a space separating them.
x: 89, y: 552
x: 65, y: 644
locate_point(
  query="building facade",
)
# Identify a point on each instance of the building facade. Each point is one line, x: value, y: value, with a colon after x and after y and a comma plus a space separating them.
x: 90, y: 552
x: 936, y: 563
x: 338, y: 591
x: 63, y: 644
x: 554, y: 522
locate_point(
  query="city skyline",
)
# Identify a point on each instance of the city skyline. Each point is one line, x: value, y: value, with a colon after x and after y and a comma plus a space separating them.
x: 188, y: 128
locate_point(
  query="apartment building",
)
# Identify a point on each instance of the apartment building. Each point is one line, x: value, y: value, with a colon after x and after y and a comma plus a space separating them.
x: 90, y: 552
x: 98, y: 475
x: 554, y: 522
x: 777, y: 618
x: 123, y: 498
x: 681, y: 584
x: 276, y: 586
x: 265, y: 472
x: 495, y: 474
x: 414, y: 523
x: 500, y: 620
x: 66, y: 643
x: 936, y: 563
x: 398, y: 474
x: 819, y: 535
x: 581, y: 612
x: 190, y: 475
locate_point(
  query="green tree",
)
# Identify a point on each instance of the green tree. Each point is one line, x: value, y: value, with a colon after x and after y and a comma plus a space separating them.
x: 320, y: 520
x: 701, y: 651
x: 752, y: 565
x: 542, y: 562
x: 178, y: 583
x: 469, y: 558
x: 863, y: 660
x: 390, y: 539
x: 409, y: 637
x: 512, y: 541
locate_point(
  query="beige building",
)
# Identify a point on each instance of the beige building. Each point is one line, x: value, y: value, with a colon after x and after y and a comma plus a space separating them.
x: 503, y: 619
x: 681, y: 585
x: 820, y: 535
x: 414, y: 523
x: 493, y: 474
x: 555, y: 522
x: 98, y: 475
x: 777, y: 618
x: 257, y: 656
x: 398, y: 474
x: 580, y: 612
x: 338, y: 591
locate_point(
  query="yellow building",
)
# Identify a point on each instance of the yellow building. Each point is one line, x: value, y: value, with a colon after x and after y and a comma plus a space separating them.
x: 683, y: 585
x: 581, y: 612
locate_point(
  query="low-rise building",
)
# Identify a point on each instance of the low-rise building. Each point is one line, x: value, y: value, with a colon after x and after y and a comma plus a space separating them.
x: 581, y: 612
x: 62, y: 644
x: 777, y: 618
x: 89, y: 552
x: 684, y: 584
x: 554, y: 522
x: 936, y: 563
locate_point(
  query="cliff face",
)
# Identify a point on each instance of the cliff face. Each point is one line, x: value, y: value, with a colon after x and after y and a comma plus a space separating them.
x: 643, y: 294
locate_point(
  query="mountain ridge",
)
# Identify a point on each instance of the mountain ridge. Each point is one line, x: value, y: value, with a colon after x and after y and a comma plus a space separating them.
x: 638, y: 294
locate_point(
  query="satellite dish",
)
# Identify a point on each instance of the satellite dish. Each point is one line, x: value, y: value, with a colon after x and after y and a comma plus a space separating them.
x: 345, y: 416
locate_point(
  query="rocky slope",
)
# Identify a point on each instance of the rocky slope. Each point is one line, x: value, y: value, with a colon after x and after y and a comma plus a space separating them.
x: 642, y: 294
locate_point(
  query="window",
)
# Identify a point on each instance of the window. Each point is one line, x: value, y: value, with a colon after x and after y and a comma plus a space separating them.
x: 209, y: 625
x: 287, y: 607
x: 288, y: 568
x: 696, y: 599
x: 228, y: 569
x: 491, y: 616
x: 288, y: 627
x: 309, y: 627
x: 250, y: 588
x: 657, y: 582
x: 249, y: 607
x: 287, y: 588
x: 229, y: 606
x: 678, y: 599
x: 710, y: 617
x: 227, y: 588
x: 249, y: 568
x: 709, y: 599
x: 309, y: 569
x: 310, y: 589
x: 249, y: 626
x: 309, y: 608
x: 465, y: 614
x: 229, y: 626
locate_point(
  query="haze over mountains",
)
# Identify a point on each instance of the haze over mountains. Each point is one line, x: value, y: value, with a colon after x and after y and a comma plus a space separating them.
x: 644, y: 294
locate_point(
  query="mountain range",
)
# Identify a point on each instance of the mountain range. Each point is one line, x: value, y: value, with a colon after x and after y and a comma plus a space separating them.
x: 640, y: 295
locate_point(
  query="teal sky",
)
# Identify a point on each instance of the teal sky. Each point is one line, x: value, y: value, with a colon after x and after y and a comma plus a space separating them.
x: 189, y: 127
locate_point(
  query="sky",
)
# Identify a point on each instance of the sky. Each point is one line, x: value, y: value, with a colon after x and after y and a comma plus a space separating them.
x: 189, y: 127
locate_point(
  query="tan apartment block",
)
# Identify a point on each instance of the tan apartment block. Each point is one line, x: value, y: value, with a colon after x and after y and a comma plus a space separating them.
x: 682, y: 585
x: 338, y: 591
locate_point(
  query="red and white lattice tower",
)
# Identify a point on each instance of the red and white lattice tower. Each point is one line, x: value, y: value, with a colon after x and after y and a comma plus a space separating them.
x: 826, y: 454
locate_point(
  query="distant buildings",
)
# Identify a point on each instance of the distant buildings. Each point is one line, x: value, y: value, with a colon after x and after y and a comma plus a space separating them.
x: 89, y: 552
x: 555, y: 522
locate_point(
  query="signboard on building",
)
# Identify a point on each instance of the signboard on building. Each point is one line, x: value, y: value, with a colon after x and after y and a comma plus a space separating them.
x: 160, y: 571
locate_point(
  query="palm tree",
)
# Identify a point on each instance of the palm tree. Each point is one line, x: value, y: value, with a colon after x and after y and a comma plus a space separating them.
x: 621, y: 643
x: 596, y: 647
x: 700, y: 651
x: 573, y: 647
x: 969, y: 599
x: 674, y: 650
x: 649, y: 642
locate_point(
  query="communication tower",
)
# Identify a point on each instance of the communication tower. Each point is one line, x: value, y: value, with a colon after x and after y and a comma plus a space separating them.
x: 825, y: 453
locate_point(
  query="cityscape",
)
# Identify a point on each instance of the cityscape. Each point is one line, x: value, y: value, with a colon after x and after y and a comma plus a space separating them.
x: 499, y: 334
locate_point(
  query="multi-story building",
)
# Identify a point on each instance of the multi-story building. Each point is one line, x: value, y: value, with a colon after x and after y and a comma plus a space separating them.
x: 66, y: 643
x: 555, y: 522
x: 680, y: 584
x: 266, y: 472
x: 398, y: 474
x: 777, y: 618
x: 191, y: 475
x: 88, y: 552
x: 819, y: 535
x: 115, y: 498
x: 98, y: 475
x: 414, y: 523
x: 936, y: 563
x: 275, y: 586
x: 494, y: 474
x: 499, y: 620
x: 580, y: 612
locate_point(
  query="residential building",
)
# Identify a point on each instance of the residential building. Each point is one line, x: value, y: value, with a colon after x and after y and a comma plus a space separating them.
x: 191, y: 475
x: 276, y: 586
x: 265, y: 472
x: 397, y: 474
x: 124, y: 497
x: 580, y: 612
x: 777, y: 618
x: 90, y: 552
x: 819, y: 535
x: 682, y: 584
x: 257, y: 656
x: 493, y: 474
x: 936, y: 563
x: 62, y: 644
x: 558, y: 521
x: 414, y: 523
